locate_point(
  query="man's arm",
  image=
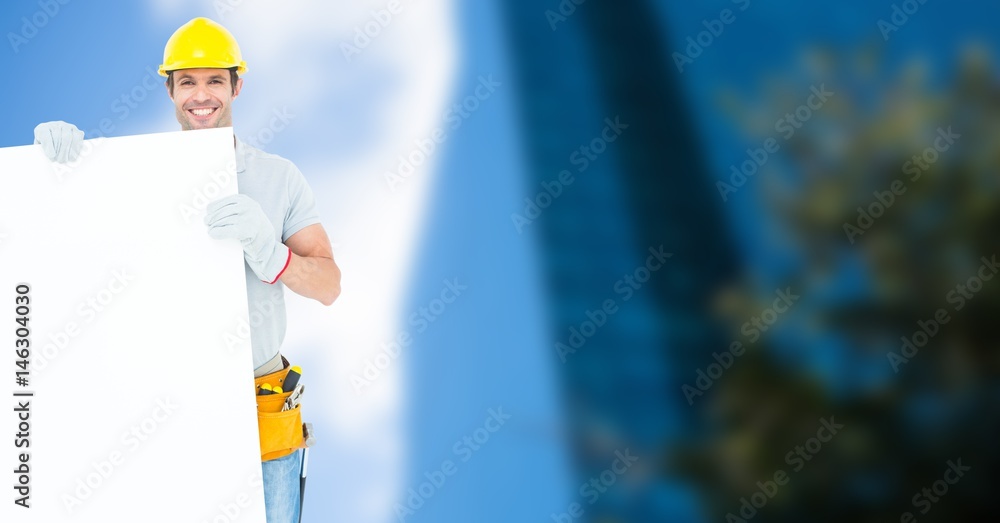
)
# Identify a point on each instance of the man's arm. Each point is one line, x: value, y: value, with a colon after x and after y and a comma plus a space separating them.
x: 311, y: 271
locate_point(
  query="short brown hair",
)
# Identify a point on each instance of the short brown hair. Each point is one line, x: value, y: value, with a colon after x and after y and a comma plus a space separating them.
x: 233, y: 75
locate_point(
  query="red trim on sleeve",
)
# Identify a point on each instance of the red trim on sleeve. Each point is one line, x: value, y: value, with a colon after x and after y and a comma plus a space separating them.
x: 283, y: 269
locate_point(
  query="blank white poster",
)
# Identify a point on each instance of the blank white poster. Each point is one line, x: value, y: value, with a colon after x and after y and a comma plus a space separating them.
x: 126, y: 369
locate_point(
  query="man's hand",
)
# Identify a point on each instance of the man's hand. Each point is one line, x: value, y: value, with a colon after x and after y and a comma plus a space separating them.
x: 241, y: 218
x: 60, y: 141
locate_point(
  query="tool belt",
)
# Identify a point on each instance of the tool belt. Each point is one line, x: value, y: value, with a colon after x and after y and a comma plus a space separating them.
x: 280, y: 431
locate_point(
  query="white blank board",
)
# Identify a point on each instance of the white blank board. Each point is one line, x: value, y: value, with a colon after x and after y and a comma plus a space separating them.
x: 142, y: 379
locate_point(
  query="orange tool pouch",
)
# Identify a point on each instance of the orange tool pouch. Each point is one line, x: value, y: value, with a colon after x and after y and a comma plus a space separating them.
x: 280, y: 432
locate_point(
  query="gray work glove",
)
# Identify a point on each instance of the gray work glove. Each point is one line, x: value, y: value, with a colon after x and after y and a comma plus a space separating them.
x: 241, y: 218
x: 60, y: 141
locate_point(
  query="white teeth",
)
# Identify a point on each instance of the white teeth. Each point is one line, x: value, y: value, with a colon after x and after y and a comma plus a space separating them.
x: 202, y: 112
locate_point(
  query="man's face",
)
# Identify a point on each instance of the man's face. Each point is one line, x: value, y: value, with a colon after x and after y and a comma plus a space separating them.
x: 203, y: 98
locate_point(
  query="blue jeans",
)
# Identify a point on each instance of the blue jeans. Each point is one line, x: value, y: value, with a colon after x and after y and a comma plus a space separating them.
x: 281, y: 488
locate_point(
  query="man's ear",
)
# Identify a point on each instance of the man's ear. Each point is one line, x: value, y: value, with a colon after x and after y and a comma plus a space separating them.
x: 169, y: 94
x: 237, y: 88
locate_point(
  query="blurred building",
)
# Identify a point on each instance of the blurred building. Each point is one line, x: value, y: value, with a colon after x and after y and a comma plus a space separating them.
x: 596, y: 69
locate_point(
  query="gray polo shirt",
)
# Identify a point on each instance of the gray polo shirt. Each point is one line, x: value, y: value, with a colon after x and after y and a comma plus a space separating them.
x: 281, y: 190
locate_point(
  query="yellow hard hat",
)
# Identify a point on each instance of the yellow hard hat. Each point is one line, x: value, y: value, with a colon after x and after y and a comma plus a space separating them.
x: 202, y: 43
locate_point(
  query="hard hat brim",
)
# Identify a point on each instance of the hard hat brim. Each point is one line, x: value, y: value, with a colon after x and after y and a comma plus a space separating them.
x: 166, y: 69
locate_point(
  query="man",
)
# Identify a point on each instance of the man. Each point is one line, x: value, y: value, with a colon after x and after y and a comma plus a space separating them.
x: 274, y: 215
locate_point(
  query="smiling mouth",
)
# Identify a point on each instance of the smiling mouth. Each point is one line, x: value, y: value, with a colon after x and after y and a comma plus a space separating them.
x: 203, y: 112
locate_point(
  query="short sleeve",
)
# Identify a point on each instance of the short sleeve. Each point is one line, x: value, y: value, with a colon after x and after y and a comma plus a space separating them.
x: 301, y: 205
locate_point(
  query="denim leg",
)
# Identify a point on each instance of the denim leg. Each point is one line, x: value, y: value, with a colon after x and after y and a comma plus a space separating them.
x: 281, y: 488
